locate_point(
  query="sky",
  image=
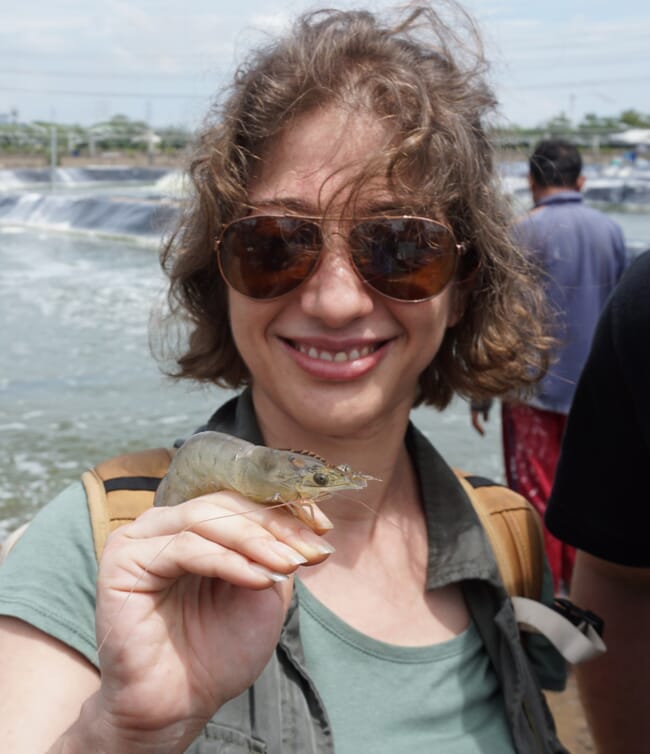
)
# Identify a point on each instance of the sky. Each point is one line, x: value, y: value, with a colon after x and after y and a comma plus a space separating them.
x: 81, y: 61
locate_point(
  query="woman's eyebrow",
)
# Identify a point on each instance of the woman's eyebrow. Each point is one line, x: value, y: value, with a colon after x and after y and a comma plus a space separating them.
x: 298, y: 206
x: 287, y: 204
x: 390, y: 207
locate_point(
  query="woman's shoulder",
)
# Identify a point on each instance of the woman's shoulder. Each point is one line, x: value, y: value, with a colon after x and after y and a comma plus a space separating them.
x: 48, y: 579
x: 64, y: 518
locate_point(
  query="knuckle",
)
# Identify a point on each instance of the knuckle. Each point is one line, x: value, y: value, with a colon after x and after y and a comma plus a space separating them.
x: 185, y: 543
x: 149, y: 515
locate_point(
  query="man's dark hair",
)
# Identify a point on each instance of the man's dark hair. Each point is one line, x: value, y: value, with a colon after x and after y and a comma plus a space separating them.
x: 555, y: 162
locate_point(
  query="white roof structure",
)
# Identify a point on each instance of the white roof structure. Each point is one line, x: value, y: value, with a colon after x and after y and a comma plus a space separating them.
x: 633, y: 137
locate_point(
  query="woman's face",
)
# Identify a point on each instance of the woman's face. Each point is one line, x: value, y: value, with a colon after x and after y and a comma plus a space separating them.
x: 332, y: 357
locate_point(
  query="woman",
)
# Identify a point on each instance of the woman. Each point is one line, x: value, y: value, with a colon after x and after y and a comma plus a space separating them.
x: 364, y: 267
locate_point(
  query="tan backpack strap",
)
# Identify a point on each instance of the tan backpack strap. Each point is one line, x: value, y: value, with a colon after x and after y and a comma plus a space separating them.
x: 120, y: 489
x: 514, y: 530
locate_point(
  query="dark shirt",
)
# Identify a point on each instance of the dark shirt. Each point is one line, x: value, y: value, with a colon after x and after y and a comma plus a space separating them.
x: 582, y: 254
x: 600, y: 500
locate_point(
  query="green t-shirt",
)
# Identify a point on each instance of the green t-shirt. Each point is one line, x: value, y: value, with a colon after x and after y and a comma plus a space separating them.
x: 385, y: 698
x: 36, y: 583
x: 379, y: 697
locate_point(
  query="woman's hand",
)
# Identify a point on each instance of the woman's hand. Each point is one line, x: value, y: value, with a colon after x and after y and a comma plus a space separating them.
x: 190, y: 603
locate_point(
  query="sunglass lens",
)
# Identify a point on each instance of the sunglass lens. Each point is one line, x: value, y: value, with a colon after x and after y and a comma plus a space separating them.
x: 405, y: 258
x: 264, y: 257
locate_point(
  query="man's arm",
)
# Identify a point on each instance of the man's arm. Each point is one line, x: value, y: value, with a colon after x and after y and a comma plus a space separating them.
x: 615, y: 688
x: 479, y: 413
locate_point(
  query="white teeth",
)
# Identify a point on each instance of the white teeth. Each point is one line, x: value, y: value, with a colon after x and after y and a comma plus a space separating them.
x: 338, y: 356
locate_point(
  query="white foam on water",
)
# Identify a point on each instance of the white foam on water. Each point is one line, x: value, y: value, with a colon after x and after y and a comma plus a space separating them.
x: 78, y: 383
x: 174, y: 184
x: 25, y: 464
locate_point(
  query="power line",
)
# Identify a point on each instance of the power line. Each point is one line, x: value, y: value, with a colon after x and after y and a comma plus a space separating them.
x: 136, y: 54
x: 184, y: 95
x: 584, y: 82
x: 100, y: 74
x: 571, y: 44
x: 100, y: 94
x: 210, y: 70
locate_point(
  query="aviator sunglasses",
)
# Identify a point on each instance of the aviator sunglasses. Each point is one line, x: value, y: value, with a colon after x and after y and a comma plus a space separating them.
x: 405, y: 258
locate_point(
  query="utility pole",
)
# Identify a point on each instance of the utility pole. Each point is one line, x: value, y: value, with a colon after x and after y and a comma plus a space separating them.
x: 53, y: 154
x: 53, y: 147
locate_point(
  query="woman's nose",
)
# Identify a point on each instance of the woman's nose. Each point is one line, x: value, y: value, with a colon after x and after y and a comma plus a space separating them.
x: 335, y: 293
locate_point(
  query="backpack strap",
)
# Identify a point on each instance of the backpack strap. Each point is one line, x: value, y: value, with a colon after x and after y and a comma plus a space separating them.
x: 120, y: 489
x: 514, y: 530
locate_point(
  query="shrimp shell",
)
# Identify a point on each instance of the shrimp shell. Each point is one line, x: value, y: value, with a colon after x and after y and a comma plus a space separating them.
x: 213, y: 461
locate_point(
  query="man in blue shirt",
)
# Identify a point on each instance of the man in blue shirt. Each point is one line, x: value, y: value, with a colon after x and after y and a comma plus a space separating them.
x: 581, y: 253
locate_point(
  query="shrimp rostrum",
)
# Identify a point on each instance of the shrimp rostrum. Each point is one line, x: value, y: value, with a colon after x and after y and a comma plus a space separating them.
x: 212, y: 461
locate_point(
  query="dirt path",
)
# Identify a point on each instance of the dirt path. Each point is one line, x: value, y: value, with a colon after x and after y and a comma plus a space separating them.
x: 570, y: 719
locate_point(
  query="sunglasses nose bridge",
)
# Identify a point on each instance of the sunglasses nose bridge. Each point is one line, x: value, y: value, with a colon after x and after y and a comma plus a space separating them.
x: 335, y: 290
x: 333, y: 231
x: 336, y: 251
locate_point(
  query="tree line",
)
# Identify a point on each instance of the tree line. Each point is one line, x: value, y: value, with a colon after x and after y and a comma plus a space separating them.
x: 125, y: 135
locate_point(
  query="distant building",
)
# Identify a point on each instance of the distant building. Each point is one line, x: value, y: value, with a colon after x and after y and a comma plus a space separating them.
x: 633, y: 137
x: 10, y: 117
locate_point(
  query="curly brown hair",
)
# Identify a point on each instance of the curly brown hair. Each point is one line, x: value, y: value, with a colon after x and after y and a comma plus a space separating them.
x: 427, y: 79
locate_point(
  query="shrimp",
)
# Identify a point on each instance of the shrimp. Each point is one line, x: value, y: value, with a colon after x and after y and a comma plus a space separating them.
x: 213, y: 461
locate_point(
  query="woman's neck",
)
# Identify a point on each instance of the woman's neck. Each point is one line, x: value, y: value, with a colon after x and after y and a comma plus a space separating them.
x: 376, y: 449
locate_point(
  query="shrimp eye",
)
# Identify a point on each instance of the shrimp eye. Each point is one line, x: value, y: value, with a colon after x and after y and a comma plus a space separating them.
x: 320, y: 478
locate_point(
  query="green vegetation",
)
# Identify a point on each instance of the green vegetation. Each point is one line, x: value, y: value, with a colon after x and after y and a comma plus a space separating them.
x: 593, y: 131
x: 121, y: 136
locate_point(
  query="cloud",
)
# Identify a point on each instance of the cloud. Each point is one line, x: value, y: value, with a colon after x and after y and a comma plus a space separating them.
x: 541, y: 53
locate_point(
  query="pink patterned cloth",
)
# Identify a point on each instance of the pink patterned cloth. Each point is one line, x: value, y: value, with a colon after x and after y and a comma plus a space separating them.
x: 531, y: 446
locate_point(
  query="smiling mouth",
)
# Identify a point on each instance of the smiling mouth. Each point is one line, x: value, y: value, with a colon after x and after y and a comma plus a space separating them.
x: 336, y: 356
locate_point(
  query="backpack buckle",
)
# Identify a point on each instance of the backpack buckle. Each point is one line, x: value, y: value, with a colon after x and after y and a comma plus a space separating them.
x: 579, y: 617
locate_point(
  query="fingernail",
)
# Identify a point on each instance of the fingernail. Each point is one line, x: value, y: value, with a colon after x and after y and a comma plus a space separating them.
x: 321, y: 520
x: 287, y: 553
x: 325, y: 547
x: 268, y: 573
x: 311, y: 546
x: 311, y: 515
